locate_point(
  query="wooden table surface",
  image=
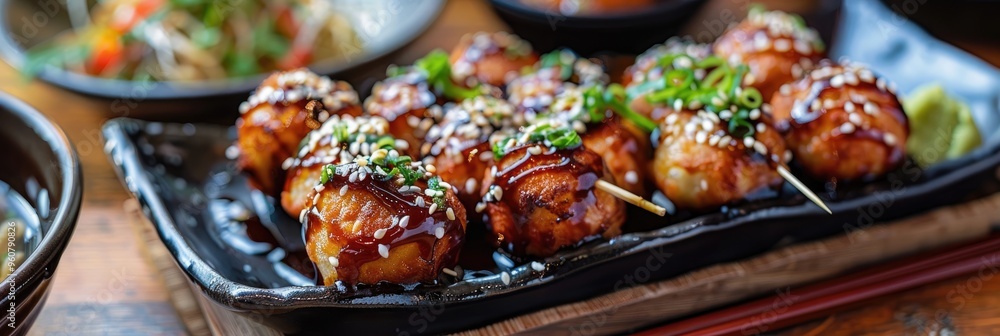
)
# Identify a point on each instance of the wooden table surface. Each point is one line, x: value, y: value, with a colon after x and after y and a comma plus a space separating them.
x: 104, y: 285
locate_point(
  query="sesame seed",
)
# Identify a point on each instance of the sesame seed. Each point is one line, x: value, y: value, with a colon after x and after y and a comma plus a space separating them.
x: 785, y: 89
x: 354, y: 177
x: 419, y: 202
x: 451, y: 213
x: 855, y: 118
x: 802, y: 47
x: 849, y: 107
x: 672, y: 119
x: 343, y: 190
x: 880, y: 84
x: 713, y: 140
x: 837, y: 81
x: 535, y: 150
x: 433, y: 208
x: 889, y: 139
x: 379, y: 234
x: 866, y: 76
x: 707, y: 125
x: 302, y: 215
x: 850, y: 78
x: 847, y: 128
x: 403, y: 222
x: 748, y: 141
x: 704, y: 185
x: 870, y: 108
x: 449, y: 271
x: 761, y: 128
x: 505, y: 277
x: 725, y: 141
x: 700, y: 137
x: 383, y: 250
x: 760, y: 148
x: 497, y: 192
x: 828, y: 103
x: 439, y: 232
x: 631, y: 177
x: 333, y: 261
x: 537, y: 266
x: 788, y: 155
x: 725, y: 114
x: 480, y: 207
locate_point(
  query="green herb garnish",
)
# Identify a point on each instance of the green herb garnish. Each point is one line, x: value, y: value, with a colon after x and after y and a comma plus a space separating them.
x: 549, y: 133
x: 437, y: 69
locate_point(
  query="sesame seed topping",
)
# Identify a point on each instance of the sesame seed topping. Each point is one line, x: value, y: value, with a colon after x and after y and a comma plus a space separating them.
x: 343, y: 190
x: 497, y: 192
x: 704, y: 185
x: 849, y: 107
x: 889, y: 139
x: 535, y: 150
x: 383, y: 250
x: 855, y: 118
x: 847, y: 128
x: 403, y: 222
x: 380, y: 233
x: 748, y: 141
x: 782, y: 45
x: 449, y: 271
x: 631, y: 177
x: 433, y: 208
x: 505, y: 277
x: 870, y: 108
x: 837, y: 81
x: 439, y: 232
x: 785, y: 89
x: 333, y: 261
x: 480, y: 207
x: 760, y: 148
x: 537, y: 266
x: 451, y: 213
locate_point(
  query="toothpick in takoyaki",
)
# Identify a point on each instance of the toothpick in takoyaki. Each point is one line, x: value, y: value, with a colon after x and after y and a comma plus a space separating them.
x: 382, y: 218
x: 543, y: 194
x: 490, y: 58
x: 777, y: 46
x: 843, y: 122
x: 283, y: 109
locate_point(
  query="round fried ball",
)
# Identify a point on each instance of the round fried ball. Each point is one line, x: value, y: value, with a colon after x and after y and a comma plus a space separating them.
x: 490, y: 58
x: 540, y: 200
x: 700, y: 166
x: 369, y: 231
x: 283, y: 109
x: 777, y: 47
x: 843, y: 122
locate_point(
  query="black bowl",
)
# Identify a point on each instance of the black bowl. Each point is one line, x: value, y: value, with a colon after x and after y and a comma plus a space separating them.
x: 47, y: 173
x: 629, y: 32
x: 384, y: 25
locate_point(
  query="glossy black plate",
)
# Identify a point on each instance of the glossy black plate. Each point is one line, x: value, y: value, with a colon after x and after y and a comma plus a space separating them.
x: 187, y: 185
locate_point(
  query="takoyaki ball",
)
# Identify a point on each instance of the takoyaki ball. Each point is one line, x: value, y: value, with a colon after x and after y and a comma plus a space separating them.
x: 843, y: 122
x: 647, y: 74
x: 459, y: 146
x: 409, y: 105
x: 531, y: 94
x: 490, y: 58
x: 624, y: 148
x: 699, y: 165
x: 778, y: 48
x: 283, y: 109
x: 338, y: 141
x: 540, y: 199
x: 363, y: 226
x: 570, y: 67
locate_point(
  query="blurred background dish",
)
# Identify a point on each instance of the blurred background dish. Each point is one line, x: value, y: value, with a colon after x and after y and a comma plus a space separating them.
x: 39, y: 202
x: 108, y: 57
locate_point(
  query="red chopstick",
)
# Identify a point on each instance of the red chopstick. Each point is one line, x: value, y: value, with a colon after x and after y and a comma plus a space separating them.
x: 807, y: 301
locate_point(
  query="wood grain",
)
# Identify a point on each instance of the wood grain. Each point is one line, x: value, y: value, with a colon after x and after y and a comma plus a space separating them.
x: 105, y: 285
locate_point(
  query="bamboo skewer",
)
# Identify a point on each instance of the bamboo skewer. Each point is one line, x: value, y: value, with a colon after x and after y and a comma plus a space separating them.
x: 802, y: 188
x: 627, y: 196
